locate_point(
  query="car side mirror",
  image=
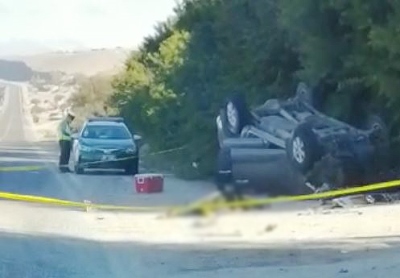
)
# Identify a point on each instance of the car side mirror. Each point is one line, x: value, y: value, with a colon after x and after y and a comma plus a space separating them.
x: 137, y: 138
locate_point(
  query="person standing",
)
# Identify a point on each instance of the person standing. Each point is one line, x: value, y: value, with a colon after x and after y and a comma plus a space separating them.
x: 65, y: 141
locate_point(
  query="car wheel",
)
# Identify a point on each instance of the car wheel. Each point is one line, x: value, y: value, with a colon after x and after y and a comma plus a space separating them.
x: 132, y: 168
x: 303, y: 148
x: 380, y: 139
x: 78, y: 169
x: 304, y: 93
x: 234, y: 116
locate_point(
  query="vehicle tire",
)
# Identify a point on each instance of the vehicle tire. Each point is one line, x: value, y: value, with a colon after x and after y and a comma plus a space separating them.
x: 380, y: 140
x: 79, y: 170
x: 234, y: 116
x: 304, y: 93
x: 303, y: 148
x: 133, y: 168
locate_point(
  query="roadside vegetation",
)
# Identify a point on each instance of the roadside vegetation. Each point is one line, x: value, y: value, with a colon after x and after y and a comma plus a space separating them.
x: 91, y: 97
x: 171, y: 88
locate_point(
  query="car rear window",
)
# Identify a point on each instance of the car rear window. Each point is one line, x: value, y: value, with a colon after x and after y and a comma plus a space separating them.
x: 106, y: 132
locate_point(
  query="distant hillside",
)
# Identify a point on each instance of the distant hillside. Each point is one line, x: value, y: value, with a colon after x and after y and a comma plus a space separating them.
x: 15, y: 71
x: 89, y: 62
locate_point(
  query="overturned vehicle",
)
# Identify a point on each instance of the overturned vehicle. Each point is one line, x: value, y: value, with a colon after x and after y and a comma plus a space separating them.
x: 288, y: 147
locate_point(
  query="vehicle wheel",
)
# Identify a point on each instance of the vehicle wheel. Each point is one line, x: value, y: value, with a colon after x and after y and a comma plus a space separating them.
x: 381, y: 137
x: 380, y: 140
x: 133, y: 168
x: 235, y: 115
x: 303, y: 149
x: 221, y: 132
x: 304, y: 93
x: 78, y: 169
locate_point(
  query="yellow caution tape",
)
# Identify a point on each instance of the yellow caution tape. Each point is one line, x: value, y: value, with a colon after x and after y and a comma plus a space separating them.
x: 205, y: 206
x: 60, y: 202
x: 21, y: 168
x: 39, y: 199
x: 210, y: 206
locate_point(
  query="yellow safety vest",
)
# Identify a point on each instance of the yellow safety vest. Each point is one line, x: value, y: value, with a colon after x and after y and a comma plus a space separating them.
x: 64, y: 131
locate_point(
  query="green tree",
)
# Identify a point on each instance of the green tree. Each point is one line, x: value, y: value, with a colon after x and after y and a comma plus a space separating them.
x: 172, y: 87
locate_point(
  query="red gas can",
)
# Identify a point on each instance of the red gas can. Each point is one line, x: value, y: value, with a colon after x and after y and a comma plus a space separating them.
x: 149, y: 183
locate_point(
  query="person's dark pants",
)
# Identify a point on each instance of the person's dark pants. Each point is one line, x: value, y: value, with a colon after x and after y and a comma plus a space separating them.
x: 65, y: 152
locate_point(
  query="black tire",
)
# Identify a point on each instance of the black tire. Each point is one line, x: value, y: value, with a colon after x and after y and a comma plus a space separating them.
x: 383, y: 136
x: 241, y: 119
x: 380, y: 140
x: 78, y: 169
x: 133, y: 168
x: 304, y: 93
x: 310, y: 150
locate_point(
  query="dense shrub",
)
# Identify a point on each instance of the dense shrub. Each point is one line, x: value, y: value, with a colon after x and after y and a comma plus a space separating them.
x: 172, y: 86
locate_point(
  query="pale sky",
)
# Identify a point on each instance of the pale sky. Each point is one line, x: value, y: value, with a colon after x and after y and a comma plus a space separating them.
x: 78, y: 23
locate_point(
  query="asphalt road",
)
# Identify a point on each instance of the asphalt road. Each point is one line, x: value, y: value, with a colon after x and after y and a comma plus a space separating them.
x: 31, y: 256
x: 16, y: 149
x: 37, y: 241
x: 41, y: 241
x: 11, y: 120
